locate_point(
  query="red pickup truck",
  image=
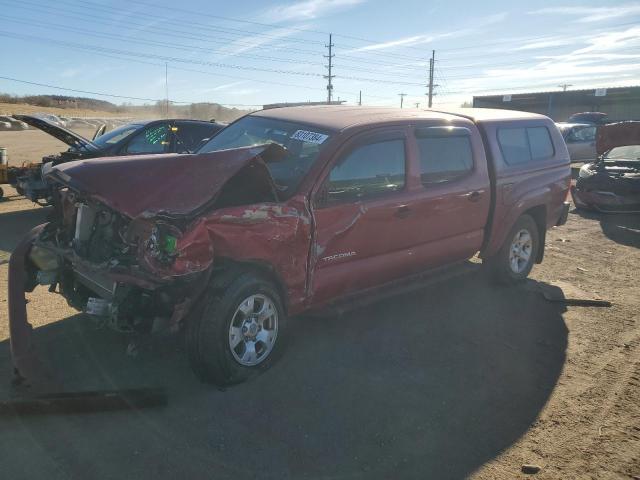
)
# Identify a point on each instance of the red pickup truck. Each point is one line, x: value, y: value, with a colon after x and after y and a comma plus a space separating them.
x: 286, y: 211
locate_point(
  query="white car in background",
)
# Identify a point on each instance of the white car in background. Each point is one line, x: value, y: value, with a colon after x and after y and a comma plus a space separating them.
x: 13, y: 123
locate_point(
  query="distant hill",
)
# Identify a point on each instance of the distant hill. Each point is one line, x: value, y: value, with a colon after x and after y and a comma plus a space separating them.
x: 72, y: 106
x: 61, y: 101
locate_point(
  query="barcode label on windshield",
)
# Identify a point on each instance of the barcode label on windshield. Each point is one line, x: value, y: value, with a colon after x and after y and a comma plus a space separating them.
x: 309, y: 137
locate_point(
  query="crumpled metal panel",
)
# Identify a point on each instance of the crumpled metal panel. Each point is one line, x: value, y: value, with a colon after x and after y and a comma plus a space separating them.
x: 617, y: 135
x: 149, y: 184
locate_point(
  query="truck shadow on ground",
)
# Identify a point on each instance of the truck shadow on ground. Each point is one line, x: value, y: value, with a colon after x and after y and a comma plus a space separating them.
x: 431, y: 384
x: 622, y: 228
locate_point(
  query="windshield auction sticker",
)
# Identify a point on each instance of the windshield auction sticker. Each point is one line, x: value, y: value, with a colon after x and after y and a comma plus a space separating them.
x: 309, y: 137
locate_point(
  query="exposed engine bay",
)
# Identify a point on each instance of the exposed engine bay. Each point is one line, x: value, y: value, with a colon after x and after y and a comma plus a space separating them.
x: 87, y: 248
x: 612, y: 183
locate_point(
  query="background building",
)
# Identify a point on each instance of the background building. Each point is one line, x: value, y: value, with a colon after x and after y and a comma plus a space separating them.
x: 621, y: 103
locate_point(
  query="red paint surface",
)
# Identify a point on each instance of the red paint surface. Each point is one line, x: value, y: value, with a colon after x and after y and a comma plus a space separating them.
x: 617, y: 135
x: 147, y: 184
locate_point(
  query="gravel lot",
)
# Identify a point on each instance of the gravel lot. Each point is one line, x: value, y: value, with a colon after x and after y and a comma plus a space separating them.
x: 460, y: 379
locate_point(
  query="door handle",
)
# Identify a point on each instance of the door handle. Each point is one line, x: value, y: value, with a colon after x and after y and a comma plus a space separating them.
x: 474, y: 196
x: 402, y: 212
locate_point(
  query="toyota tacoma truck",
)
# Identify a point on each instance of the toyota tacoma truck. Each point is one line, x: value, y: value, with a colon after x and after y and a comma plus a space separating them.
x: 288, y: 211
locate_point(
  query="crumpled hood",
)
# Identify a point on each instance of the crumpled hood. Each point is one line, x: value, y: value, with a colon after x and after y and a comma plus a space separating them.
x: 617, y: 135
x: 64, y: 135
x: 173, y: 184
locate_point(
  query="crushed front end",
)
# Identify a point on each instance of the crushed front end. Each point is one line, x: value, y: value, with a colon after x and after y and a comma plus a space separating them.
x: 107, y: 265
x: 137, y: 251
x: 609, y: 187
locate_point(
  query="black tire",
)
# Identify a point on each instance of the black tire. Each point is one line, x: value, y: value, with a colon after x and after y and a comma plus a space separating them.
x: 207, y: 332
x: 499, y: 265
x: 1, y: 194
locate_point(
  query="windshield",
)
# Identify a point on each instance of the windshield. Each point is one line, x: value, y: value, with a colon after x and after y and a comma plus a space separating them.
x: 303, y: 145
x: 115, y: 135
x: 628, y: 152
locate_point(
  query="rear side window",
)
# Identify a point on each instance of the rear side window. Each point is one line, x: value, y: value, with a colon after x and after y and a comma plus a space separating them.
x: 444, y: 159
x: 368, y: 171
x: 522, y: 145
x: 540, y: 143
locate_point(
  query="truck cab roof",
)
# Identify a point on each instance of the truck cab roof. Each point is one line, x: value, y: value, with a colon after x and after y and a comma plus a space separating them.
x: 340, y: 117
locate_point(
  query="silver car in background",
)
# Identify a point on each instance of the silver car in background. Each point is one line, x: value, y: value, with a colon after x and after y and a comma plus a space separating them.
x: 580, y: 139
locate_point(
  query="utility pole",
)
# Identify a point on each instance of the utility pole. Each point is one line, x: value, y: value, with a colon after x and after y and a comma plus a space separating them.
x: 329, y: 77
x: 432, y: 64
x: 402, y: 95
x: 360, y: 98
x: 166, y: 87
x: 564, y: 86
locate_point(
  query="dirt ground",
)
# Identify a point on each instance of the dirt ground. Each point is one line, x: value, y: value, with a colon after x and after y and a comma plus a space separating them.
x: 461, y: 379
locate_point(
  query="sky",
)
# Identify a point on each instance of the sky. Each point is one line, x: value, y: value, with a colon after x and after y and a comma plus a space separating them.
x: 249, y: 53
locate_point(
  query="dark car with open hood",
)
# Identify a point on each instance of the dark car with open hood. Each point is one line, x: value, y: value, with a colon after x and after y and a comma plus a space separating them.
x: 136, y: 138
x: 288, y: 211
x: 611, y: 184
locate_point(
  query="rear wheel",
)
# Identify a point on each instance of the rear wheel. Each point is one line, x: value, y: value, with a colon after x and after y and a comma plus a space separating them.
x: 517, y: 255
x: 239, y: 332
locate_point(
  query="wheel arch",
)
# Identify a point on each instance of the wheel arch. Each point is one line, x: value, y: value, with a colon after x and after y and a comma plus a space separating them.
x: 229, y: 269
x: 539, y: 215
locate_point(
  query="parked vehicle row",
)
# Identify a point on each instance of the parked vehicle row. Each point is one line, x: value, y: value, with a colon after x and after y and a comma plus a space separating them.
x: 287, y: 211
x: 10, y: 123
x: 141, y: 137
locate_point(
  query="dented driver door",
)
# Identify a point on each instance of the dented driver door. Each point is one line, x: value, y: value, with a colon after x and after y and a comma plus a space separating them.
x: 360, y: 211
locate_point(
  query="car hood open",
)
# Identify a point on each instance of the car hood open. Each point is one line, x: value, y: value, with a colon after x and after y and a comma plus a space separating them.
x: 66, y: 136
x: 617, y: 135
x: 173, y: 184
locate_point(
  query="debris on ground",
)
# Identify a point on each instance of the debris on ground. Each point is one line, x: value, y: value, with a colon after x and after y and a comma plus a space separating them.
x: 567, y: 294
x: 530, y: 469
x: 85, y: 402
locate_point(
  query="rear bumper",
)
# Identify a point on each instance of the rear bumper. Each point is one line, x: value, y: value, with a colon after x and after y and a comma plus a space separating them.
x: 564, y: 214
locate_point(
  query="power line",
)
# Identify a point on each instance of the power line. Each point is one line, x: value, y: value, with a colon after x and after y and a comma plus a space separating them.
x: 94, y: 48
x: 173, y: 45
x: 151, y: 55
x: 102, y: 94
x: 163, y: 31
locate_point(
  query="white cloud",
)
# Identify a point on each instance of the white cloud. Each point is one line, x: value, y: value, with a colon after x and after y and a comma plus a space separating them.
x: 401, y: 42
x: 611, y: 41
x: 590, y: 14
x: 245, y: 44
x: 555, y: 42
x: 70, y: 72
x: 429, y: 38
x: 308, y: 9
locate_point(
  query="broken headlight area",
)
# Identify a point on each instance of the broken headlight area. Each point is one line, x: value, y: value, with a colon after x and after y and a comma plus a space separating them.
x: 586, y: 170
x: 161, y: 248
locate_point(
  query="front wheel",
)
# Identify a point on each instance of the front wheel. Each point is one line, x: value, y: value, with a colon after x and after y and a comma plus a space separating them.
x: 239, y: 332
x: 516, y: 257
